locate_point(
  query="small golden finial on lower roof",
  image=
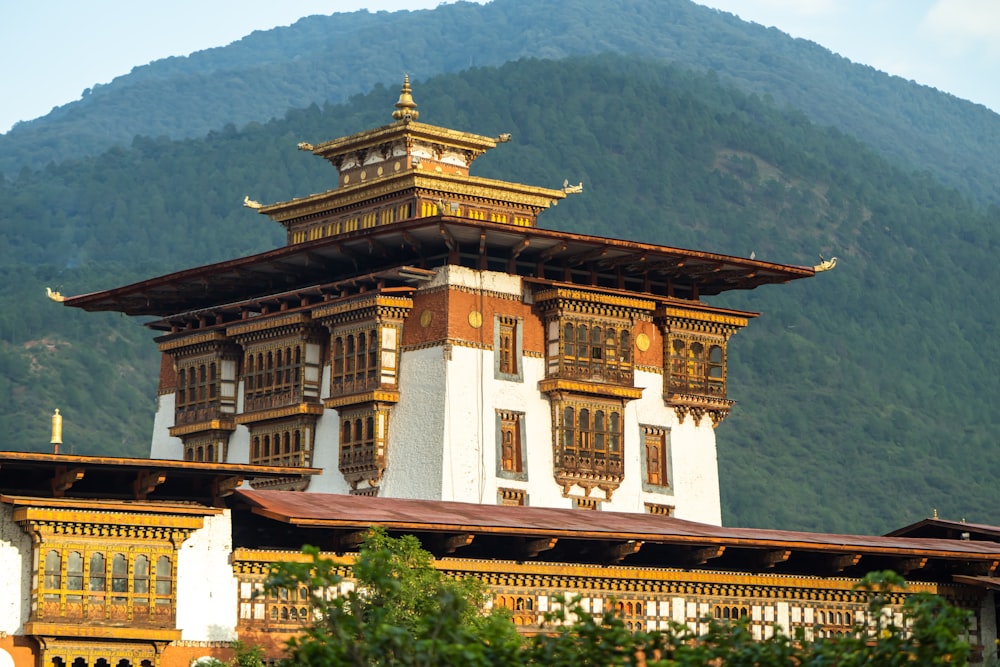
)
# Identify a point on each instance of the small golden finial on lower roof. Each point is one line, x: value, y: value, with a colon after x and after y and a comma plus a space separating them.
x: 55, y: 296
x: 56, y: 431
x: 406, y: 108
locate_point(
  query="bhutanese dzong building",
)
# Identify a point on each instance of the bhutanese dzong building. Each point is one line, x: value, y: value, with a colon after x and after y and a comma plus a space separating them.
x: 422, y: 355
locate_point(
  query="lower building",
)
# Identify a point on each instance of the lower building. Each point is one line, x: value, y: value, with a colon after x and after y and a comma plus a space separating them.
x: 133, y: 562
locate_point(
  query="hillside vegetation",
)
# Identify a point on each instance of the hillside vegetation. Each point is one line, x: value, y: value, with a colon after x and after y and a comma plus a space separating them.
x: 866, y: 395
x: 329, y: 58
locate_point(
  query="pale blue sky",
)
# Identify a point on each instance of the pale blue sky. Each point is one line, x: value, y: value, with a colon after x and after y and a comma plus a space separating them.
x: 51, y: 50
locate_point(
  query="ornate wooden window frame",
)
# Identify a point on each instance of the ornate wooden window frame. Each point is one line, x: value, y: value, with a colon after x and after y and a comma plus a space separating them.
x: 508, y: 351
x: 282, y: 366
x: 209, y: 415
x: 377, y: 319
x: 588, y: 454
x: 76, y: 600
x: 695, y: 347
x: 363, y: 436
x: 512, y: 497
x: 288, y: 442
x: 658, y: 436
x: 510, y: 454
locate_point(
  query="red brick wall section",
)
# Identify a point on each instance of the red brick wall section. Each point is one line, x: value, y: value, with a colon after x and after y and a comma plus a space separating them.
x: 449, y: 318
x: 654, y: 355
x: 168, y: 376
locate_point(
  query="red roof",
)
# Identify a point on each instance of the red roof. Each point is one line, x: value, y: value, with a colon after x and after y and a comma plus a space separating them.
x: 663, y: 540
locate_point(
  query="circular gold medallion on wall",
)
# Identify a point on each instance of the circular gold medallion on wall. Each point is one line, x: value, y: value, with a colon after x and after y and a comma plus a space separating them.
x: 379, y: 170
x: 347, y: 179
x: 425, y: 318
x: 475, y: 319
x: 642, y: 342
x: 397, y: 166
x: 364, y: 174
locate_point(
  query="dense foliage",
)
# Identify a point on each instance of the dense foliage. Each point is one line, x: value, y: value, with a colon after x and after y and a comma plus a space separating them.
x: 865, y: 395
x: 400, y: 611
x: 319, y: 59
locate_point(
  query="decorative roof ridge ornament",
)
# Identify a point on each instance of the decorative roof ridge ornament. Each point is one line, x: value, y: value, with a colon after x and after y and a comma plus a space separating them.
x: 825, y: 264
x: 54, y: 295
x: 406, y: 108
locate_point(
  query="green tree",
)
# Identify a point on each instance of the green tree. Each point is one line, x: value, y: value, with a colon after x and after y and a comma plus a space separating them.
x: 402, y: 612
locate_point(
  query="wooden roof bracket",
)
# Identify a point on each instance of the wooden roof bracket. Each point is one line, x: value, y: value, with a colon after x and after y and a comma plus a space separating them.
x: 617, y: 552
x: 145, y: 482
x: 701, y: 555
x: 64, y: 478
x: 531, y: 548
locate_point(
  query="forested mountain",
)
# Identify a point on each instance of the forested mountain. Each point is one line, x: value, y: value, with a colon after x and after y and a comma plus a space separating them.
x: 866, y: 395
x: 329, y: 58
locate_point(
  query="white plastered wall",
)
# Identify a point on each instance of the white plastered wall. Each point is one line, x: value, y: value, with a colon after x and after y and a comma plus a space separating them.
x: 418, y: 427
x: 326, y: 448
x: 206, y: 585
x: 442, y: 438
x: 163, y: 445
x: 15, y: 573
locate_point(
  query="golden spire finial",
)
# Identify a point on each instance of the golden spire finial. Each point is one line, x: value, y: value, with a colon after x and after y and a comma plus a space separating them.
x: 935, y: 513
x: 56, y: 431
x: 406, y: 108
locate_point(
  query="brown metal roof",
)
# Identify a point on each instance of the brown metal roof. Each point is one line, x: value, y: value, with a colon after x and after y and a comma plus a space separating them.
x: 71, y: 476
x: 375, y: 254
x: 951, y: 530
x: 590, y: 536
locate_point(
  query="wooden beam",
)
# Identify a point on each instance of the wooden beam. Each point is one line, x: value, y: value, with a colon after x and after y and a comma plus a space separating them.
x: 702, y: 271
x: 449, y: 239
x: 768, y: 558
x: 701, y: 555
x: 414, y: 243
x: 905, y: 566
x: 840, y: 562
x: 376, y: 248
x: 588, y: 256
x: 442, y: 545
x: 349, y: 254
x: 145, y: 482
x: 634, y: 260
x: 64, y: 478
x: 616, y: 553
x: 224, y: 485
x: 980, y: 568
x: 515, y: 253
x: 531, y: 548
x: 352, y: 540
x: 549, y: 253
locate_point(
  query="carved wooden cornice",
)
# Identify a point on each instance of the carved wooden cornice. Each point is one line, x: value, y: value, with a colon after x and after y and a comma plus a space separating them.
x: 577, y: 301
x: 362, y: 399
x: 270, y: 326
x: 562, y: 388
x: 50, y: 523
x: 370, y: 306
x: 280, y: 413
x: 698, y: 406
x: 222, y: 427
x: 685, y: 320
x: 194, y: 343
